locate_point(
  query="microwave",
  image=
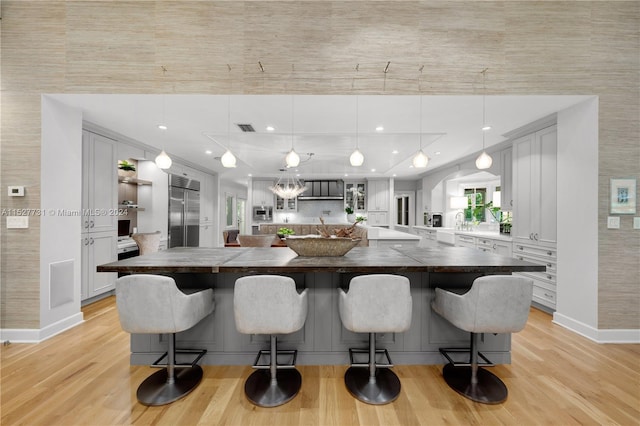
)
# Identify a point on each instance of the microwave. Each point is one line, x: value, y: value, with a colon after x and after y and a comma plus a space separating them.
x: 262, y: 213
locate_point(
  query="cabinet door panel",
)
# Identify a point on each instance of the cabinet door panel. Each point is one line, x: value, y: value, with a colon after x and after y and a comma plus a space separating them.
x: 102, y: 249
x: 102, y: 185
x: 546, y: 231
x: 522, y: 187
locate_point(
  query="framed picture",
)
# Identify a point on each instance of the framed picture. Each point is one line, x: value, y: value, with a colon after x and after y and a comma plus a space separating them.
x: 623, y: 196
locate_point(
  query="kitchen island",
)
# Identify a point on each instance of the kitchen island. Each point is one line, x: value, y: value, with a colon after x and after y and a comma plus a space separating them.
x: 322, y: 340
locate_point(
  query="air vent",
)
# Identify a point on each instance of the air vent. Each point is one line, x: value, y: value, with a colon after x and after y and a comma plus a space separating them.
x: 246, y: 127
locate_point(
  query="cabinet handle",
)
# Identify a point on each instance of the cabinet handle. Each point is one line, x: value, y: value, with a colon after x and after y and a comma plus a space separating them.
x: 550, y: 296
x: 549, y: 265
x: 549, y: 253
x: 520, y: 248
x: 549, y: 277
x: 531, y: 236
x: 535, y: 236
x: 494, y: 247
x: 520, y: 258
x: 86, y: 241
x: 86, y: 223
x: 91, y: 224
x: 90, y: 241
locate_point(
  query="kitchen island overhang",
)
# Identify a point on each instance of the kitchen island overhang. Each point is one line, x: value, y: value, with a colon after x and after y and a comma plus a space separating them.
x: 322, y: 340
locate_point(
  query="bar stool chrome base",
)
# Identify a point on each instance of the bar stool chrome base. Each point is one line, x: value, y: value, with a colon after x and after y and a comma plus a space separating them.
x: 385, y: 388
x: 264, y: 392
x: 489, y: 389
x: 157, y: 390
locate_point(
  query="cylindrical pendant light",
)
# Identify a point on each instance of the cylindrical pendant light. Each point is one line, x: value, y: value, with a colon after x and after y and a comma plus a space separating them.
x: 163, y: 161
x: 420, y: 160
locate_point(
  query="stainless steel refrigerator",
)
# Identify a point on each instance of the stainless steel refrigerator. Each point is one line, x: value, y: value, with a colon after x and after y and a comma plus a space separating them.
x: 184, y: 212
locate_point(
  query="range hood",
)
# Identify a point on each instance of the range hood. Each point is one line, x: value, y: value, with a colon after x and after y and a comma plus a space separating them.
x: 323, y: 190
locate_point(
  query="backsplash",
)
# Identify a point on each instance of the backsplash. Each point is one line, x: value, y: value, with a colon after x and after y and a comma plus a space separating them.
x: 332, y: 211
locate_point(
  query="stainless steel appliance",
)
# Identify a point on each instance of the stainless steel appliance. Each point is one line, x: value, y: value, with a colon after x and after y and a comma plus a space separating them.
x: 184, y: 212
x: 436, y: 220
x: 262, y: 213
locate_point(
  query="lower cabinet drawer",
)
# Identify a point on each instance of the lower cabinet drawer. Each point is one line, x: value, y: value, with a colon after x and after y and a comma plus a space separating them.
x: 544, y: 296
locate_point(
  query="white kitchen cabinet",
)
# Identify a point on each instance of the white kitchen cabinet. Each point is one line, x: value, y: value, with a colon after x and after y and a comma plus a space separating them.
x: 206, y: 235
x: 496, y: 246
x: 378, y: 218
x: 97, y: 248
x: 465, y: 241
x: 506, y: 179
x: 261, y: 194
x: 427, y: 234
x: 207, y: 195
x: 355, y: 196
x: 99, y: 183
x: 378, y: 195
x: 544, y: 283
x: 534, y: 188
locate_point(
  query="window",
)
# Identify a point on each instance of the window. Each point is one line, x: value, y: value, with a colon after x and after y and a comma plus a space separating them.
x: 229, y: 210
x: 476, y: 210
x: 402, y: 216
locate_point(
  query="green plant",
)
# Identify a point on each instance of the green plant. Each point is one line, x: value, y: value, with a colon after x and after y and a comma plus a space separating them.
x: 125, y: 165
x: 495, y: 211
x: 286, y: 231
x: 360, y: 219
x: 348, y: 210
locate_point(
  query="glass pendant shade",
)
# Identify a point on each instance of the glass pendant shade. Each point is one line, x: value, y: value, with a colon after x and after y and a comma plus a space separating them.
x: 163, y: 161
x: 292, y: 159
x: 288, y: 187
x: 228, y: 159
x: 420, y: 160
x: 484, y: 161
x: 356, y: 158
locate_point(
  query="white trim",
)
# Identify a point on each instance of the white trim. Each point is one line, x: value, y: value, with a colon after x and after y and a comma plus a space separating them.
x: 597, y: 335
x: 34, y: 335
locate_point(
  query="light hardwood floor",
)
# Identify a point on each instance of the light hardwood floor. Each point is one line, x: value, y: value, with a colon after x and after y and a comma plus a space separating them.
x: 83, y: 377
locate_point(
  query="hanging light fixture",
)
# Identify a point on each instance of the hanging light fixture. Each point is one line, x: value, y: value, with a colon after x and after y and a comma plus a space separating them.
x: 484, y: 160
x: 163, y: 161
x: 420, y: 160
x: 292, y: 159
x: 357, y: 158
x: 228, y: 160
x: 287, y: 186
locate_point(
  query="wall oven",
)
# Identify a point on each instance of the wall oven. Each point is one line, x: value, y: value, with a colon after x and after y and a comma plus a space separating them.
x: 262, y: 213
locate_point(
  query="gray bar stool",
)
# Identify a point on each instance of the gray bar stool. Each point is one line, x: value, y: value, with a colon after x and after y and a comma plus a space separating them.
x: 152, y: 304
x: 270, y: 304
x: 147, y: 242
x: 375, y: 304
x: 494, y: 304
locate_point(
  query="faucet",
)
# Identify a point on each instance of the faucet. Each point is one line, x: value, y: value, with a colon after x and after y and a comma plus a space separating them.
x: 460, y: 221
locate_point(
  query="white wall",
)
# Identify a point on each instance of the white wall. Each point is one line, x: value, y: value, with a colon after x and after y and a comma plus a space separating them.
x: 61, y: 189
x: 577, y: 290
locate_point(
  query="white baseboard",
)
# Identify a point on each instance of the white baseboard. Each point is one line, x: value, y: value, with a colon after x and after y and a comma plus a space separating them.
x: 597, y: 335
x: 35, y: 335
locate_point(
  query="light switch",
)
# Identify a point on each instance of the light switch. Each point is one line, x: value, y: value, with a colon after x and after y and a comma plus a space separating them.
x: 613, y: 222
x: 636, y: 223
x: 17, y: 222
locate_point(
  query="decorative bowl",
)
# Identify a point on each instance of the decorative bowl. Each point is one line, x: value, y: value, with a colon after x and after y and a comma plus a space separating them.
x: 317, y: 246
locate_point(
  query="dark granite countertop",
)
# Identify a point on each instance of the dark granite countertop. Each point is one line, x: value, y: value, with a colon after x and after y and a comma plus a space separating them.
x: 283, y: 260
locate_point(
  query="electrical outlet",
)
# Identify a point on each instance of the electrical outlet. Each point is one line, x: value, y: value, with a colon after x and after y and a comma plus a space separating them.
x: 613, y: 222
x: 636, y: 223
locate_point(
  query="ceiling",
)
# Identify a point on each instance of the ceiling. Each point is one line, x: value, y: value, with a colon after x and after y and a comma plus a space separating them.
x: 327, y: 126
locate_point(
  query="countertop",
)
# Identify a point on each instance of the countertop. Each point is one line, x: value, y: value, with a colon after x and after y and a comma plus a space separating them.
x: 284, y: 260
x: 486, y: 234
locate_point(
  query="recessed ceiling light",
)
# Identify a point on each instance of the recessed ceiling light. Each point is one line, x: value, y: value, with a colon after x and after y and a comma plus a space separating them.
x: 379, y: 129
x: 249, y: 175
x: 346, y: 175
x: 297, y: 174
x: 373, y: 170
x: 162, y: 127
x: 394, y: 175
x: 486, y: 128
x: 411, y: 166
x: 270, y: 128
x: 437, y: 152
x: 208, y: 152
x: 395, y: 151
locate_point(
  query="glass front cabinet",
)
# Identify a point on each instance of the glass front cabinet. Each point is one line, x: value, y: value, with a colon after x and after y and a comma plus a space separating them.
x: 354, y: 196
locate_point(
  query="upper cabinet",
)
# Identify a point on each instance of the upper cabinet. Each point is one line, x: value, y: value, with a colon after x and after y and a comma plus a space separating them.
x: 355, y: 196
x: 261, y: 194
x: 378, y: 195
x: 99, y: 183
x: 506, y: 179
x: 534, y: 188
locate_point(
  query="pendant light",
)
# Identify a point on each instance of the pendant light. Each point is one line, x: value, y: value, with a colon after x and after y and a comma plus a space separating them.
x: 484, y: 160
x: 292, y: 159
x: 420, y: 160
x: 228, y: 160
x: 356, y: 159
x: 163, y: 161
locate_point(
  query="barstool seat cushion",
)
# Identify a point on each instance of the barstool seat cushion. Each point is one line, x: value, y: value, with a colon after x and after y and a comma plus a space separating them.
x: 493, y: 304
x: 154, y: 304
x: 379, y: 303
x: 268, y: 304
x: 147, y: 242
